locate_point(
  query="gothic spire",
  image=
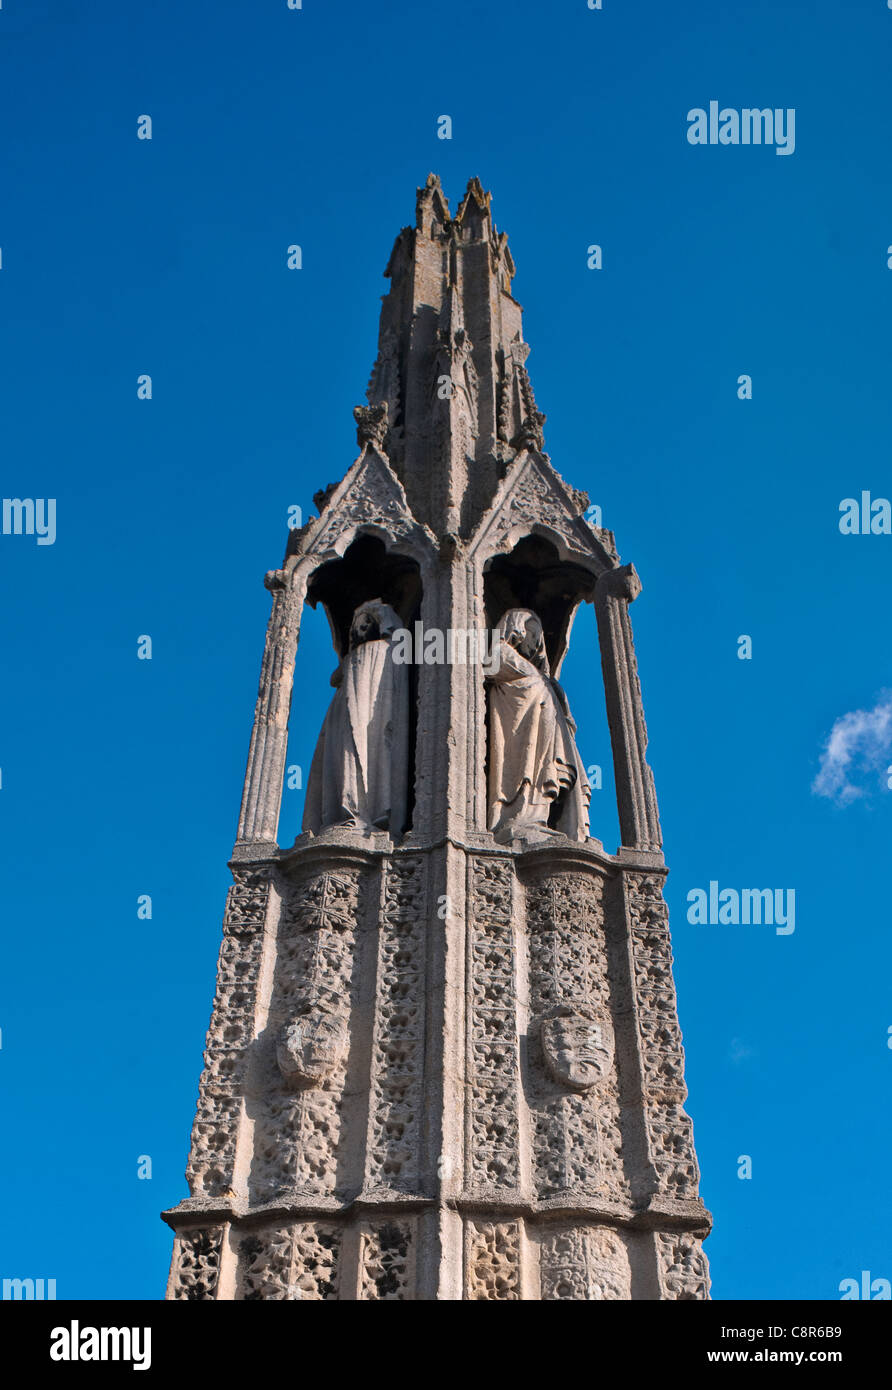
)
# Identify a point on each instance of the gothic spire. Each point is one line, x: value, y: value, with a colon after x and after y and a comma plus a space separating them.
x: 451, y: 361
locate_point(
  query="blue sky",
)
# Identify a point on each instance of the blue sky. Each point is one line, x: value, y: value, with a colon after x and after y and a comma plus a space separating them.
x: 122, y: 777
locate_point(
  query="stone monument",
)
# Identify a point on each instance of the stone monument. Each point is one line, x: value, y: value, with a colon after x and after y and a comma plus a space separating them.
x: 444, y: 1059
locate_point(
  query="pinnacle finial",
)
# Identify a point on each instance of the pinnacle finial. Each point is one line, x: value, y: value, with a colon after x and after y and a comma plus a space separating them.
x: 371, y: 424
x: 476, y: 188
x: 431, y: 204
x: 476, y: 195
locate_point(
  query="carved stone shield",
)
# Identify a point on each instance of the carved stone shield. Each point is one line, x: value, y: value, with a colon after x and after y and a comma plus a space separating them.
x: 311, y: 1047
x: 578, y: 1046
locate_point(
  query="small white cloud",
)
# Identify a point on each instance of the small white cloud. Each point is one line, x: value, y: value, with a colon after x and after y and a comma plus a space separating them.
x: 858, y: 749
x: 740, y: 1051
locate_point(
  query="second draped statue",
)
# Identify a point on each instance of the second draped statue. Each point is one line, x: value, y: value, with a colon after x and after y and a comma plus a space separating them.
x: 537, y: 783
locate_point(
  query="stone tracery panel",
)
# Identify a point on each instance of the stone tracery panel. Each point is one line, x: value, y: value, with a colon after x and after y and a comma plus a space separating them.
x: 196, y: 1263
x: 684, y: 1273
x: 576, y: 1135
x: 670, y: 1131
x: 492, y: 1261
x: 299, y: 1125
x: 584, y: 1263
x: 387, y: 1261
x: 291, y: 1263
x: 211, y: 1167
x: 492, y: 1132
x: 397, y: 1099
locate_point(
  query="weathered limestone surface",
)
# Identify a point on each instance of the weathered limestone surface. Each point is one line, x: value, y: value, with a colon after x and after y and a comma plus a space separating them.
x: 537, y: 784
x: 445, y: 1063
x: 359, y: 776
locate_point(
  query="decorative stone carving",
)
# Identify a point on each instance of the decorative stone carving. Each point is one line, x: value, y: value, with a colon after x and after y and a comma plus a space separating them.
x: 322, y: 498
x: 197, y: 1264
x: 328, y: 901
x: 669, y: 1127
x: 504, y: 399
x: 369, y: 495
x: 371, y: 424
x: 397, y: 1100
x: 530, y: 435
x: 533, y: 492
x: 537, y: 784
x: 298, y: 1132
x: 609, y: 1267
x: 684, y: 1272
x: 300, y: 1262
x: 492, y: 1261
x: 573, y: 1099
x: 360, y: 769
x: 311, y: 1047
x: 585, y: 1264
x: 265, y: 1265
x: 387, y: 1262
x: 578, y: 1045
x: 492, y: 1159
x: 215, y: 1131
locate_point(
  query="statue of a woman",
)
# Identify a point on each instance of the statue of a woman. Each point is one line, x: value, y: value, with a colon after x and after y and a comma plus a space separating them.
x: 360, y: 770
x: 537, y: 782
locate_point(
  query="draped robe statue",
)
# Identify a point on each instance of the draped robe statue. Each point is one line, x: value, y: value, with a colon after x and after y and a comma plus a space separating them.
x: 359, y: 774
x: 537, y: 784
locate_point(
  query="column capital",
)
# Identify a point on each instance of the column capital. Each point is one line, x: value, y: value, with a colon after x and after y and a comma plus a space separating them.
x: 622, y: 582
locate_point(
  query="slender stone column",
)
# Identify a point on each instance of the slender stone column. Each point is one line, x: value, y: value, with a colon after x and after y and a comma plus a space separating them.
x: 636, y: 797
x: 262, y: 795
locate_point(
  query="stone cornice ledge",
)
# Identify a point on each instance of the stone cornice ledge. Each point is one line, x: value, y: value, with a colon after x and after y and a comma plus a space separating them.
x: 199, y: 1211
x: 660, y: 1214
x: 344, y: 846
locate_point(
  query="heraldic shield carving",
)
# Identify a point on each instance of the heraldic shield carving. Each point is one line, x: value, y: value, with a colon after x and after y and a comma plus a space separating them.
x: 312, y: 1046
x: 578, y: 1046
